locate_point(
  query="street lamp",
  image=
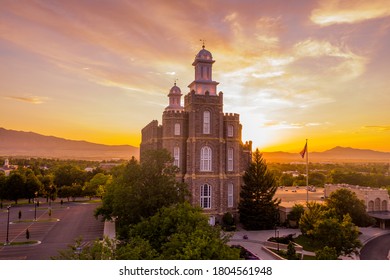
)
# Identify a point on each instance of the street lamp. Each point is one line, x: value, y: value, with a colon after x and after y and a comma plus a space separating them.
x: 35, y: 204
x: 278, y: 239
x: 8, y: 210
x: 50, y: 188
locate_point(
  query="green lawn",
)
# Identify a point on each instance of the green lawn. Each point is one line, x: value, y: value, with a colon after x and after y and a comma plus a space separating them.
x: 20, y: 243
x: 283, y: 254
x: 307, y: 243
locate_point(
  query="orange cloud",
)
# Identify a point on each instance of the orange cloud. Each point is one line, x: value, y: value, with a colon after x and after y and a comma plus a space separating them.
x: 349, y: 11
x: 28, y: 99
x: 378, y: 127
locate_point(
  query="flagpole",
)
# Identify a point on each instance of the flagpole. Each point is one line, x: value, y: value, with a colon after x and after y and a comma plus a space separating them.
x: 307, y: 173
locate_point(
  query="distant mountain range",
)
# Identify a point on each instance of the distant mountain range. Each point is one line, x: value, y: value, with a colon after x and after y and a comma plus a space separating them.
x: 337, y: 154
x: 29, y: 144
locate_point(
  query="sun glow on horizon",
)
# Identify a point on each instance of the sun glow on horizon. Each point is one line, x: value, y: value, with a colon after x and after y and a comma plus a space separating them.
x: 102, y: 72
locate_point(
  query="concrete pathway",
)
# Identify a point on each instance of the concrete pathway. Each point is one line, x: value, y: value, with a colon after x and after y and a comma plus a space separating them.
x: 256, y: 240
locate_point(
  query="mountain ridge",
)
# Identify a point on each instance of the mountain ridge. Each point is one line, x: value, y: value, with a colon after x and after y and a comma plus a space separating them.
x: 336, y: 154
x: 15, y: 143
x: 30, y: 144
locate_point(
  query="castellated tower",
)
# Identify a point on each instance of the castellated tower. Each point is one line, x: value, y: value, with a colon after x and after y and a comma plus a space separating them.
x: 204, y: 141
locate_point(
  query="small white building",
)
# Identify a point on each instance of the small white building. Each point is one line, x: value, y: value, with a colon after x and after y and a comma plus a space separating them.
x: 7, y: 168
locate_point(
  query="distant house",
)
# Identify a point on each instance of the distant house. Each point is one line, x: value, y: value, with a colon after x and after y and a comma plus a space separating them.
x: 89, y: 169
x: 7, y: 168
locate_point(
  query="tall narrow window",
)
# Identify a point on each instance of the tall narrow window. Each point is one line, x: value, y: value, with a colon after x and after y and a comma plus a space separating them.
x: 205, y: 158
x: 230, y: 160
x: 230, y: 131
x: 230, y: 195
x: 177, y: 128
x: 206, y: 122
x: 176, y: 156
x: 205, y: 196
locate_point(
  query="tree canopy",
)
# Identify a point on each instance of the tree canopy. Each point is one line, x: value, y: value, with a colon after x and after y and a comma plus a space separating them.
x: 325, y: 228
x: 344, y: 201
x: 183, y: 232
x: 139, y: 190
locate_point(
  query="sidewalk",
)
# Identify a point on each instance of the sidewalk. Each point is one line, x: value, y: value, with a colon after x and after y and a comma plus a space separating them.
x: 371, y: 233
x: 256, y: 239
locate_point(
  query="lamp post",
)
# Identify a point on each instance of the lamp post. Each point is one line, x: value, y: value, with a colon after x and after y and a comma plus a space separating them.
x: 50, y: 188
x: 35, y: 205
x: 8, y: 210
x: 278, y: 239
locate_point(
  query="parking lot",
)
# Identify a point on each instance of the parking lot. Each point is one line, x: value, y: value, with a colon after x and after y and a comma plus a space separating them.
x: 298, y: 195
x: 49, y: 233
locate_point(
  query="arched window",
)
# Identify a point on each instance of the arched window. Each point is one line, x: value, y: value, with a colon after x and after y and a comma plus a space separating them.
x: 230, y: 130
x: 205, y: 158
x: 206, y: 122
x: 384, y: 205
x: 176, y: 156
x: 230, y: 195
x: 177, y: 128
x: 377, y: 204
x: 370, y: 206
x: 205, y: 196
x: 230, y: 159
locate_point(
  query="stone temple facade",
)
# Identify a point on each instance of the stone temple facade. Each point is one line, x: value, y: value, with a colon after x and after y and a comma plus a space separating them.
x: 204, y: 141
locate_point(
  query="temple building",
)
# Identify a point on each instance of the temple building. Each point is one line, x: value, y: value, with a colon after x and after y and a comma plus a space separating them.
x: 205, y: 142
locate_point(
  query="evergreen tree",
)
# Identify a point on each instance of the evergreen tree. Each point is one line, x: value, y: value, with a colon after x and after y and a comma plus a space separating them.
x: 258, y: 208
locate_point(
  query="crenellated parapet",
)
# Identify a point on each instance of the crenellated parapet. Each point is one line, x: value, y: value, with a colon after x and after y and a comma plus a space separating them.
x: 231, y: 117
x: 206, y: 98
x: 175, y: 114
x: 247, y: 146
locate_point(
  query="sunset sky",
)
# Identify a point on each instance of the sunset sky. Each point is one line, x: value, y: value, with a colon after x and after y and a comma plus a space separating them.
x: 100, y: 70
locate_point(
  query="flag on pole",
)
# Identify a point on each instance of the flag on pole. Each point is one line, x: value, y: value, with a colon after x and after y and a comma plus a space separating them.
x: 303, y: 152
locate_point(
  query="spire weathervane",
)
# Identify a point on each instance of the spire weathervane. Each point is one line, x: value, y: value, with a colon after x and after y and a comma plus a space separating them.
x: 202, y: 40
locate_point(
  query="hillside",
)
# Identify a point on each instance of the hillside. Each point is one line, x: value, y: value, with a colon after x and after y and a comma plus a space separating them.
x: 337, y: 154
x: 29, y: 144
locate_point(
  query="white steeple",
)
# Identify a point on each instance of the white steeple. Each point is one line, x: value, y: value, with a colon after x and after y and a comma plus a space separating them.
x: 203, y: 73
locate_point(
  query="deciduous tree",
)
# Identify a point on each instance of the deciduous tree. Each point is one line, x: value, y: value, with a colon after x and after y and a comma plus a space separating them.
x: 344, y: 201
x: 183, y: 232
x: 140, y: 190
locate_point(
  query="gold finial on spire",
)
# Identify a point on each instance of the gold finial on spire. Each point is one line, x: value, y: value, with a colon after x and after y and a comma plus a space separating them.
x: 176, y: 81
x: 202, y: 40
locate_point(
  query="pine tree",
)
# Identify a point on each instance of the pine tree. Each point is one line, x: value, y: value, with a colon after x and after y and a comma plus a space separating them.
x: 258, y: 208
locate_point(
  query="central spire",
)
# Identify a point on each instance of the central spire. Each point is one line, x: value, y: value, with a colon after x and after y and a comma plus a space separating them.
x: 203, y: 73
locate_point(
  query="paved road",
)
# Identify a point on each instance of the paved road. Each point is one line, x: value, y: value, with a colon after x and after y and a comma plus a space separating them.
x: 376, y: 249
x: 75, y: 220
